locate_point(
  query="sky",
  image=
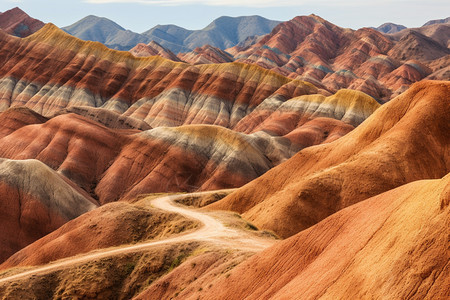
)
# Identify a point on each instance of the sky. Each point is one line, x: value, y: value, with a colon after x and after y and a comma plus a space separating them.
x: 141, y: 15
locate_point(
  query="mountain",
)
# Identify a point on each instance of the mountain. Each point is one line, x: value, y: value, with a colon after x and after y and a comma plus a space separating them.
x: 312, y: 49
x: 319, y: 181
x: 439, y: 33
x: 215, y: 126
x: 18, y: 23
x: 389, y: 246
x: 169, y: 36
x: 35, y: 201
x: 151, y: 49
x: 378, y: 62
x: 105, y: 31
x: 206, y: 55
x: 225, y: 32
x: 125, y: 177
x: 439, y: 21
x: 415, y: 45
x: 390, y: 28
x: 222, y: 33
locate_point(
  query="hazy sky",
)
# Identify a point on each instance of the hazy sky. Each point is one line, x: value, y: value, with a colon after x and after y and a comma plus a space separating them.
x: 141, y: 15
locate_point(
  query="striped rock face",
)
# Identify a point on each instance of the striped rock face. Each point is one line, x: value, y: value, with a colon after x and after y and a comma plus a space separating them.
x: 119, y: 126
x: 206, y: 55
x: 312, y: 49
x: 51, y: 70
x: 389, y: 149
x: 34, y: 201
x: 151, y: 49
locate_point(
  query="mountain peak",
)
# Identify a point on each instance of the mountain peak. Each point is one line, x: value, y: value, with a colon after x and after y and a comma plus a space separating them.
x: 18, y: 23
x: 439, y: 21
x: 390, y: 28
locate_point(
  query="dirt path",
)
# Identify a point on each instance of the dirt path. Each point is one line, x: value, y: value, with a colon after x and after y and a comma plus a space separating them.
x: 212, y: 230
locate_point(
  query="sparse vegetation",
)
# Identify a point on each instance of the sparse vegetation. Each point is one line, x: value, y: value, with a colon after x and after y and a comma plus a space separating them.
x: 177, y: 261
x: 250, y: 226
x: 129, y: 267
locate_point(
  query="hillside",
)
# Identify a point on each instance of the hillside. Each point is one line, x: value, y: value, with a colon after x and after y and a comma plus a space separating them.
x: 390, y: 246
x: 403, y: 141
x: 155, y: 125
x: 313, y: 49
x: 309, y: 162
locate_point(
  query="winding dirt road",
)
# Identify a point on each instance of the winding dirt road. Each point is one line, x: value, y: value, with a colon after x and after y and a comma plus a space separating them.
x: 212, y: 230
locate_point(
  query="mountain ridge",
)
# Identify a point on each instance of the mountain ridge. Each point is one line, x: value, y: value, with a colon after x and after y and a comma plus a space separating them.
x: 223, y: 32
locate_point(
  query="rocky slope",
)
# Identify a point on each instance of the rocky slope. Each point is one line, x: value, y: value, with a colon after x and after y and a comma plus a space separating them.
x: 438, y: 21
x: 151, y: 49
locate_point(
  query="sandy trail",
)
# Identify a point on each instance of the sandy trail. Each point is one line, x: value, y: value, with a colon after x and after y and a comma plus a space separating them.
x: 212, y: 230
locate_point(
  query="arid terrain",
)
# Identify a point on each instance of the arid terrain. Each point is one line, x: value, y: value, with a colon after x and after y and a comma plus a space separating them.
x: 308, y: 161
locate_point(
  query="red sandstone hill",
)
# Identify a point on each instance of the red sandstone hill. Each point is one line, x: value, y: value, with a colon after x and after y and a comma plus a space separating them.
x: 52, y: 70
x: 393, y: 245
x: 206, y: 55
x: 405, y: 140
x: 17, y: 117
x: 110, y: 225
x: 315, y: 50
x: 113, y: 164
x: 103, y: 104
x: 415, y: 45
x: 117, y: 126
x: 78, y: 148
x: 18, y: 23
x: 151, y: 49
x: 34, y: 201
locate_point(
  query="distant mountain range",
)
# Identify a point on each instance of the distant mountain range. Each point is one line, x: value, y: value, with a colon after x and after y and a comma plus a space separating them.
x: 224, y: 32
x: 439, y: 21
x: 391, y: 28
